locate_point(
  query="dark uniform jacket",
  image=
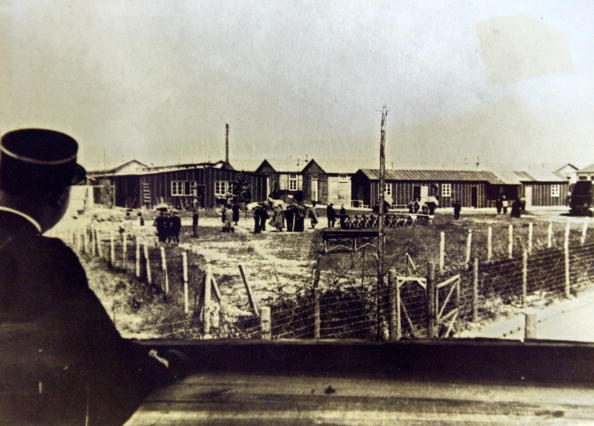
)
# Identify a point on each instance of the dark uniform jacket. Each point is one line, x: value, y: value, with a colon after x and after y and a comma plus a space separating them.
x: 62, y: 361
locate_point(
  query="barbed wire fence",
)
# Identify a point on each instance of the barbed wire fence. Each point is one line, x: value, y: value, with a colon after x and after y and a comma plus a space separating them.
x: 492, y: 265
x: 487, y: 268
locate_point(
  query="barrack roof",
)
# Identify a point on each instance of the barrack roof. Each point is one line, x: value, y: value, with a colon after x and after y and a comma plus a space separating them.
x: 437, y: 175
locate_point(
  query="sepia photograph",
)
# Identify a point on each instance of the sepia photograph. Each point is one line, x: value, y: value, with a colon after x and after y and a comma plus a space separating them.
x: 335, y: 212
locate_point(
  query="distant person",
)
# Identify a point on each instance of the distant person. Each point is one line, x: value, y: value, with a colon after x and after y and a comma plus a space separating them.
x: 140, y: 219
x: 342, y: 214
x: 290, y: 217
x: 313, y: 216
x: 62, y: 359
x: 229, y: 220
x: 499, y: 204
x: 195, y: 218
x: 257, y: 215
x: 278, y: 218
x: 457, y: 209
x: 331, y: 215
x: 516, y: 208
x: 504, y: 204
x: 263, y: 216
x: 300, y: 214
x: 523, y: 205
x: 161, y: 223
x: 236, y: 208
x: 168, y: 228
x: 416, y: 206
x: 175, y: 222
x: 431, y: 206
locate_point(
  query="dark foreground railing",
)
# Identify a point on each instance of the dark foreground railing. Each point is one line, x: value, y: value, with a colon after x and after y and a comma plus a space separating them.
x: 467, y: 360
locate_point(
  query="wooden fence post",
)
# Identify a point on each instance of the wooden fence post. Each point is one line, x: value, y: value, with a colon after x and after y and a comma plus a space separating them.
x: 248, y: 289
x: 185, y: 279
x: 207, y: 298
x: 524, y: 277
x: 137, y: 257
x: 431, y: 294
x: 550, y: 235
x: 395, y: 332
x: 566, y: 258
x: 530, y: 236
x: 265, y: 323
x: 468, y: 248
x: 99, y: 247
x: 164, y: 270
x: 489, y: 243
x: 316, y: 295
x: 149, y: 277
x: 89, y: 235
x: 124, y: 250
x: 475, y: 283
x: 112, y: 255
x: 441, y: 251
x: 510, y: 243
x: 584, y: 233
x: 529, y: 326
x: 84, y: 240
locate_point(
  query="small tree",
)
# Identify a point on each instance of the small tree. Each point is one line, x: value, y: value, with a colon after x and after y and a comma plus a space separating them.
x: 242, y: 191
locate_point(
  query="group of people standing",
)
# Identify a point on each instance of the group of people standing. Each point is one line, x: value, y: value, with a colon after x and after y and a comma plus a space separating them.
x: 518, y: 206
x: 427, y: 208
x: 168, y: 227
x: 292, y: 217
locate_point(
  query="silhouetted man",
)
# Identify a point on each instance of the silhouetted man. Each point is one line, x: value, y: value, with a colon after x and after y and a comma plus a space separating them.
x: 331, y: 215
x: 62, y: 361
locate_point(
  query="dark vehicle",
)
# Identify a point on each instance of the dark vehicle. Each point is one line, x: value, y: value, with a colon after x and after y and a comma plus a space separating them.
x: 581, y: 199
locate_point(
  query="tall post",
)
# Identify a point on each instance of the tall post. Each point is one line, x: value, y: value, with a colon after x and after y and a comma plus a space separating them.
x: 550, y: 235
x: 124, y: 251
x: 431, y: 295
x: 584, y: 233
x: 149, y: 277
x: 137, y: 258
x: 489, y: 243
x: 530, y: 236
x: 164, y: 270
x: 524, y: 277
x: 510, y: 242
x: 227, y: 143
x: 380, y: 237
x: 265, y: 323
x: 206, y: 310
x: 468, y: 248
x: 112, y: 255
x: 394, y: 320
x: 475, y: 283
x: 441, y: 251
x: 185, y: 279
x: 316, y: 295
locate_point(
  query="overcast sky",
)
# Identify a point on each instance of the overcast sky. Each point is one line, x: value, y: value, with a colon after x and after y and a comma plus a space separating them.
x: 511, y: 82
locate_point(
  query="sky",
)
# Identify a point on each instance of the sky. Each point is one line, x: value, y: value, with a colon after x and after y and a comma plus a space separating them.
x: 505, y: 84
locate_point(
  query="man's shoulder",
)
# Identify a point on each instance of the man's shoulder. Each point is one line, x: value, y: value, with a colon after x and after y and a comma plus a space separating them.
x: 57, y: 249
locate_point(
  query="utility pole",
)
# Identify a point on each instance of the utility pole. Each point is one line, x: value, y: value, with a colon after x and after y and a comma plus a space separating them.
x: 380, y: 234
x: 227, y: 143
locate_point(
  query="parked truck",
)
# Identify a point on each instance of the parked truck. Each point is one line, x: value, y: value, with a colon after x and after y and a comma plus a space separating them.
x: 581, y: 199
